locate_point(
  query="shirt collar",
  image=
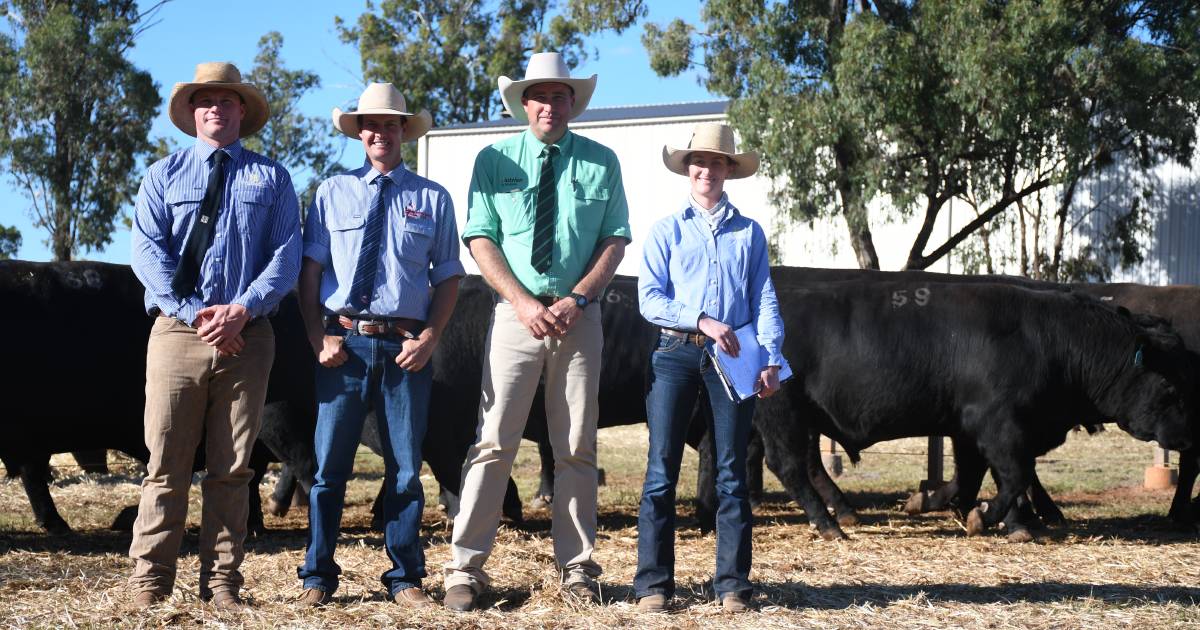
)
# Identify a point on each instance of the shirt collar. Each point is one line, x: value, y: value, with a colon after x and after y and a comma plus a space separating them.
x: 367, y: 173
x: 689, y: 211
x: 205, y: 150
x: 564, y: 143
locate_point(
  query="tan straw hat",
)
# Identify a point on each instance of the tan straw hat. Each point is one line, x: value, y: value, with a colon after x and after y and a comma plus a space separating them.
x: 223, y: 75
x: 385, y: 99
x: 545, y: 67
x: 713, y: 138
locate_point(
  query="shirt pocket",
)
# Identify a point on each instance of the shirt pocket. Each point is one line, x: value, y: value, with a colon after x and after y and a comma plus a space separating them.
x: 516, y: 210
x: 252, y: 205
x: 415, y: 241
x: 183, y: 202
x: 591, y: 202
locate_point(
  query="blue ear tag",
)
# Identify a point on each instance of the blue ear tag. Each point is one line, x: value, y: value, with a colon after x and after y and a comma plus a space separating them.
x: 1137, y: 357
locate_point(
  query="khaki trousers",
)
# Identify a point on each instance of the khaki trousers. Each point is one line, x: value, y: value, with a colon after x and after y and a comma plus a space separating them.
x: 514, y: 363
x: 191, y: 392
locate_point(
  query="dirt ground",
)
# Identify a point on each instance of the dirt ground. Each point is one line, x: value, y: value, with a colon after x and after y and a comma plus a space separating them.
x: 1117, y: 563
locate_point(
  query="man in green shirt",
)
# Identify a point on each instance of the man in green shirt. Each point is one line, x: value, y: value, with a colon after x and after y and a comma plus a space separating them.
x: 547, y: 223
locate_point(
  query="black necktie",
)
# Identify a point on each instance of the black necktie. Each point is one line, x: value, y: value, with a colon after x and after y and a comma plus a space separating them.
x: 543, y: 224
x: 198, y: 242
x: 363, y: 285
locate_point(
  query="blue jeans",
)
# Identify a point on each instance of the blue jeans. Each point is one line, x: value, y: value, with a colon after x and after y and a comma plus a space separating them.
x: 679, y: 372
x: 369, y: 379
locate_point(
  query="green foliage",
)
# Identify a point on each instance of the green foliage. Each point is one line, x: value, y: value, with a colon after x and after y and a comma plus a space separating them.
x: 304, y: 144
x: 10, y: 242
x: 75, y: 114
x: 917, y: 103
x: 445, y: 55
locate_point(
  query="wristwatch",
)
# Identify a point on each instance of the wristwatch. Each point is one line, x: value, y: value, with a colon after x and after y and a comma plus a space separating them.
x: 580, y: 300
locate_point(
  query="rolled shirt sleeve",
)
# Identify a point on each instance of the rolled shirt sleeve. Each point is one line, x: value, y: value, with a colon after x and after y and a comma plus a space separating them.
x: 444, y: 259
x: 316, y: 232
x: 616, y: 214
x: 482, y: 219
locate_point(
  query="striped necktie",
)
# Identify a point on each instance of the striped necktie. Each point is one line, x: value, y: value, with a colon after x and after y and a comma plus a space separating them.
x: 363, y: 287
x: 543, y: 224
x: 183, y: 284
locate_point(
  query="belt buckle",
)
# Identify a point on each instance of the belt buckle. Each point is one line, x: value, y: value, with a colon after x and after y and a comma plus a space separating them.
x: 360, y: 324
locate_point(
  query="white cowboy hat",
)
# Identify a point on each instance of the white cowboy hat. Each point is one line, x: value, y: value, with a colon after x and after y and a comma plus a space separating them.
x: 545, y: 67
x: 383, y: 98
x: 223, y: 75
x: 712, y: 138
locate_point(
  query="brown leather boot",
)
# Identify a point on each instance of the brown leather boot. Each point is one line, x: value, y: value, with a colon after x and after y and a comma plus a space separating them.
x: 460, y: 598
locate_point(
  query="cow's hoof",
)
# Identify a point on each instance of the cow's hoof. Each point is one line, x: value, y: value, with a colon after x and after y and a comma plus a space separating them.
x: 276, y: 508
x: 833, y: 533
x: 975, y: 525
x: 601, y: 478
x: 848, y: 519
x: 541, y: 502
x: 57, y: 528
x: 916, y: 503
x: 1020, y: 536
x: 125, y: 518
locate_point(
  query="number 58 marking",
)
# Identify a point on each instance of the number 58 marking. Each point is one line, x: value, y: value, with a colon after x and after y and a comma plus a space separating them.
x: 920, y: 297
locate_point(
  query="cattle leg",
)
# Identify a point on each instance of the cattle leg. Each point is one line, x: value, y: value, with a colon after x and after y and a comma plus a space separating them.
x: 780, y: 419
x: 34, y: 473
x: 830, y: 493
x: 285, y: 489
x: 93, y: 462
x: 1012, y: 479
x: 1043, y: 504
x: 1181, y: 505
x: 545, y: 493
x: 259, y: 459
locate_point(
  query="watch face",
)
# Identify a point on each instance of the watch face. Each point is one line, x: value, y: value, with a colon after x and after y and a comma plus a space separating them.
x: 580, y: 301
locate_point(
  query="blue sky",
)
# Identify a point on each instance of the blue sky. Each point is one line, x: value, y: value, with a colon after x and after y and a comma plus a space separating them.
x: 191, y: 31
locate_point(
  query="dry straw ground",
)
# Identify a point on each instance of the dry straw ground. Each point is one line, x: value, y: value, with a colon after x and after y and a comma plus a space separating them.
x: 1117, y: 564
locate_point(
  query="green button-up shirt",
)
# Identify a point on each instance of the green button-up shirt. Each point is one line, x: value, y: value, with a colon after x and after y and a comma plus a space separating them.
x: 591, y: 206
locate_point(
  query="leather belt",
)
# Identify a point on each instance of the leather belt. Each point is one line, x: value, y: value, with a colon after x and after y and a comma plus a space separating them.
x: 403, y: 326
x: 546, y: 300
x: 700, y: 339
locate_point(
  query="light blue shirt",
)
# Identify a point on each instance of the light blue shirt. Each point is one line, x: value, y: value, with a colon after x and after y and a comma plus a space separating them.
x: 254, y: 259
x: 419, y: 247
x: 689, y: 270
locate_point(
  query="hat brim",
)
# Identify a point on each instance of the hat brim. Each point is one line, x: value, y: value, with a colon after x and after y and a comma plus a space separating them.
x: 744, y: 164
x: 511, y: 92
x: 418, y: 125
x: 257, y: 110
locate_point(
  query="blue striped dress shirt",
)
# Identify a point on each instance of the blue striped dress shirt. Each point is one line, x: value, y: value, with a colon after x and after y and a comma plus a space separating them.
x: 419, y: 247
x: 254, y: 259
x: 689, y: 270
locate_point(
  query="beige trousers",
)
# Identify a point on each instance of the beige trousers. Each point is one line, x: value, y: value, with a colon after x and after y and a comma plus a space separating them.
x: 192, y: 392
x: 514, y: 363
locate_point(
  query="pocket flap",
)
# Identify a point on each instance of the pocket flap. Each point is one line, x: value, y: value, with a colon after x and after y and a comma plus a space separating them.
x: 338, y: 223
x: 585, y: 191
x: 181, y: 194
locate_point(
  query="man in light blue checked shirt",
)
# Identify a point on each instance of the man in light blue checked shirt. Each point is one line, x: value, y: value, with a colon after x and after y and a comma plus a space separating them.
x: 377, y: 238
x: 216, y: 242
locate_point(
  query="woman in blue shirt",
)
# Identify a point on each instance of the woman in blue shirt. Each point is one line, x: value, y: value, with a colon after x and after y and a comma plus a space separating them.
x: 705, y: 273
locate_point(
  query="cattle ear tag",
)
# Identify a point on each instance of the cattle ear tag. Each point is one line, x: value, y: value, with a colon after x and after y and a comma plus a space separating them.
x: 1138, y: 359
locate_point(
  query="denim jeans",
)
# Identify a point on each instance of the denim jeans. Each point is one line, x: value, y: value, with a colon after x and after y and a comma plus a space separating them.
x: 679, y: 372
x: 369, y: 379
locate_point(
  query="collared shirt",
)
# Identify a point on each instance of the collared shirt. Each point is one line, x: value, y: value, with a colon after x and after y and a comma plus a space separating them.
x: 715, y: 215
x: 254, y: 258
x: 419, y: 247
x: 591, y: 205
x: 687, y: 270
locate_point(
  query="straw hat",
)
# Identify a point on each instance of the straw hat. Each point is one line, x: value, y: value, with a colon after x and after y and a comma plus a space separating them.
x: 223, y: 75
x: 545, y: 67
x: 712, y: 138
x: 383, y: 98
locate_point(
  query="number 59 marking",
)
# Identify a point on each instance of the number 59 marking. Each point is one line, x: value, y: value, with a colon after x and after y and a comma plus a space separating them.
x: 920, y: 297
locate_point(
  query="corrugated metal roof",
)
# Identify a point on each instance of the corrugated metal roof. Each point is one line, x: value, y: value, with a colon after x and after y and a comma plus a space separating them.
x: 625, y: 112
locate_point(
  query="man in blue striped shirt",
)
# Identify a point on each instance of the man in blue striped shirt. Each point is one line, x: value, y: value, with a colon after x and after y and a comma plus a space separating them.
x: 216, y: 242
x: 377, y: 239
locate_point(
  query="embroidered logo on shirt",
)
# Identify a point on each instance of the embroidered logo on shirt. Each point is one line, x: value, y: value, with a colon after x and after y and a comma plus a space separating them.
x: 411, y: 212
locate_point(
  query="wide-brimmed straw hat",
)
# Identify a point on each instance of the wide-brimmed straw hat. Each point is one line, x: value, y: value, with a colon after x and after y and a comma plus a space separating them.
x: 545, y: 67
x: 712, y: 138
x: 385, y: 99
x: 223, y: 75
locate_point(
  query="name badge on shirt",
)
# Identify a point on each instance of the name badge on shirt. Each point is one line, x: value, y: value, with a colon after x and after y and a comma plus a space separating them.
x: 411, y: 212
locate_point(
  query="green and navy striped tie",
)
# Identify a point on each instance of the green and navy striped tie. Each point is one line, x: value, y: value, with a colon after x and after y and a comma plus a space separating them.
x: 543, y: 225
